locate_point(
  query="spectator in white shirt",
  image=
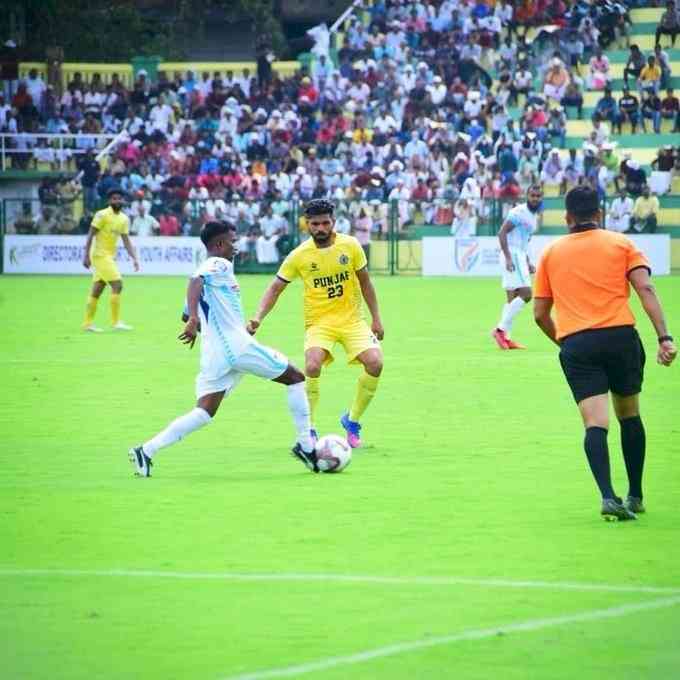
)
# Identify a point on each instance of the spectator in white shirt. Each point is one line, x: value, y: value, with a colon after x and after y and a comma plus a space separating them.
x: 619, y: 213
x: 35, y: 86
x: 143, y: 224
x: 437, y: 90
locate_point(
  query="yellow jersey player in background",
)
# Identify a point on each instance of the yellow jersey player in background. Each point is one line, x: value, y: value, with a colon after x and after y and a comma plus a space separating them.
x: 107, y: 225
x: 334, y: 272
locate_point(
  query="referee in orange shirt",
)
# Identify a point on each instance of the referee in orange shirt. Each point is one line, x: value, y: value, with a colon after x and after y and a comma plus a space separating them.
x: 586, y: 276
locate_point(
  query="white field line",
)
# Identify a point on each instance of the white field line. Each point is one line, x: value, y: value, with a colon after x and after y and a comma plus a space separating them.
x: 345, y: 578
x: 464, y: 636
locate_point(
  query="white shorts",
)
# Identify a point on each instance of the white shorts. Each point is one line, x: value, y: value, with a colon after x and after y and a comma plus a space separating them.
x: 520, y: 278
x: 257, y: 359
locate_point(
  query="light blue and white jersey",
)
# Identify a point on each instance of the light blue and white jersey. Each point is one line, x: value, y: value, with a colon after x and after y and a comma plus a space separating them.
x: 223, y: 335
x: 525, y: 224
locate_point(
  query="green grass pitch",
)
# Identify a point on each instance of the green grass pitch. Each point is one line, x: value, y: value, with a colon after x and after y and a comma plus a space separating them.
x: 471, y: 506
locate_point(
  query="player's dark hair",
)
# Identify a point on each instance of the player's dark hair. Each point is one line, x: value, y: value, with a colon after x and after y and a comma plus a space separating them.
x: 535, y: 187
x: 213, y: 229
x: 319, y: 206
x: 115, y: 190
x: 582, y: 202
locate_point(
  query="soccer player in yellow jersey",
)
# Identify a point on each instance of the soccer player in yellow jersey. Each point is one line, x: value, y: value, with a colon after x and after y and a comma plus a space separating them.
x: 107, y: 226
x: 334, y: 273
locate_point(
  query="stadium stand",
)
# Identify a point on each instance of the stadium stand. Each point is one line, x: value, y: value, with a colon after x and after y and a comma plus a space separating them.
x: 428, y: 114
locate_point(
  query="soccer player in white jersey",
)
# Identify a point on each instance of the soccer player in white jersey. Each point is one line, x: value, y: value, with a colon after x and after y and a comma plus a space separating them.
x: 514, y: 237
x: 228, y: 352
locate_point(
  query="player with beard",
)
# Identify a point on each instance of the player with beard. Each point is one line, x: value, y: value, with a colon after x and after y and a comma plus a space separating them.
x: 107, y: 226
x: 334, y: 272
x: 514, y: 237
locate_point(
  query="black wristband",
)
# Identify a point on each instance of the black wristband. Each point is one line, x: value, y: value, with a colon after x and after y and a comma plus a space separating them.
x: 665, y: 338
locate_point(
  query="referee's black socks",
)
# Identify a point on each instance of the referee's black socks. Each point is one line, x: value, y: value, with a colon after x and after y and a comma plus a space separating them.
x: 597, y: 451
x: 633, y: 443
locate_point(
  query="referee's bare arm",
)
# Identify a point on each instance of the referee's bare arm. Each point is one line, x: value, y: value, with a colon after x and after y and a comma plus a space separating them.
x: 639, y: 279
x: 542, y: 308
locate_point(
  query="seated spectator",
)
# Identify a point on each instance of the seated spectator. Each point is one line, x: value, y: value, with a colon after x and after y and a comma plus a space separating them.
x: 168, y: 225
x: 651, y: 109
x: 143, y: 223
x: 662, y: 170
x: 629, y: 110
x: 553, y: 172
x: 650, y: 76
x: 636, y: 178
x: 598, y: 71
x: 669, y: 24
x: 556, y: 81
x: 606, y: 107
x: 47, y: 222
x: 670, y: 109
x: 25, y: 224
x: 634, y: 65
x: 645, y: 212
x: 573, y: 97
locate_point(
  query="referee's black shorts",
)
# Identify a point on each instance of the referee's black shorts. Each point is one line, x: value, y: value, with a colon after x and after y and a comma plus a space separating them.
x: 600, y: 360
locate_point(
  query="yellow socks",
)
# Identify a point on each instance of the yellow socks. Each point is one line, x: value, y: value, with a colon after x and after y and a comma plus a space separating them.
x: 366, y: 387
x: 90, y: 310
x: 312, y: 395
x: 115, y: 308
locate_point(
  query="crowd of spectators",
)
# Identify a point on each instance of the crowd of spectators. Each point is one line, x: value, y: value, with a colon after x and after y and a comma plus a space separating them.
x: 436, y: 105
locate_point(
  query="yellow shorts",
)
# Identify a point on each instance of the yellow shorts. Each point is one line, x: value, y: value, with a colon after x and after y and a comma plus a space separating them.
x: 105, y: 269
x: 355, y: 338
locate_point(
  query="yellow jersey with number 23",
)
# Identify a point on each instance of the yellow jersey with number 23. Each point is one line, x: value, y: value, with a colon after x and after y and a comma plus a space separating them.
x: 332, y: 294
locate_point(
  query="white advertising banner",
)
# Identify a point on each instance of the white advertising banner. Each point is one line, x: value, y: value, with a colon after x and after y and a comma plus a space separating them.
x: 158, y: 255
x: 481, y: 255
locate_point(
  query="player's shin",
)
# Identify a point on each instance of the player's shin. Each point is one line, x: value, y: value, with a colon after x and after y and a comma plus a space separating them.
x: 366, y: 388
x: 178, y: 429
x: 510, y: 311
x: 597, y: 451
x: 312, y: 386
x: 115, y: 308
x: 90, y: 310
x: 633, y: 443
x: 298, y: 405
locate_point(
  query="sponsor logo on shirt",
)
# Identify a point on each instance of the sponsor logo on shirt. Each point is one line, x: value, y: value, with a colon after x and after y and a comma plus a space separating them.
x: 343, y: 259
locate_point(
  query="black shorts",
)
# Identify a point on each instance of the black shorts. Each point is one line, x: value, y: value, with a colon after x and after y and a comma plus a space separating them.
x: 603, y: 359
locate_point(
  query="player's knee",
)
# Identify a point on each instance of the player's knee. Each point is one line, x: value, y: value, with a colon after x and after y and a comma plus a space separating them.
x: 295, y: 375
x: 313, y: 368
x: 374, y: 365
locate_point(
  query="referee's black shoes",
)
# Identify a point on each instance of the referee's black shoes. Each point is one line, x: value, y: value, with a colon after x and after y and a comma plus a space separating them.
x: 635, y: 505
x: 614, y: 510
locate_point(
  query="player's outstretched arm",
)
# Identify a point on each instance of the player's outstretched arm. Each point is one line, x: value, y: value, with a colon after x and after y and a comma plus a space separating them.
x: 131, y: 250
x: 194, y: 291
x: 88, y: 245
x: 639, y: 279
x: 368, y: 291
x: 542, y: 308
x: 271, y: 295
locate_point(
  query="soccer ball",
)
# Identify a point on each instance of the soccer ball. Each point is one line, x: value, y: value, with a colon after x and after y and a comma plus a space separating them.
x: 333, y: 453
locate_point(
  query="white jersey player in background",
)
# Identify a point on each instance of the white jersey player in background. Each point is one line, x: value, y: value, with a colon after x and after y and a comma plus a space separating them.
x: 228, y: 353
x: 514, y: 237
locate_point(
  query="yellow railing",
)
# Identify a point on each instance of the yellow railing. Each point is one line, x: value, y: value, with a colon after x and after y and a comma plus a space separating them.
x: 283, y: 68
x: 124, y: 71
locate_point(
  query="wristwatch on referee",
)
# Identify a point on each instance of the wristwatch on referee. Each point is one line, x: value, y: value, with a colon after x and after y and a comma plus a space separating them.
x: 665, y: 338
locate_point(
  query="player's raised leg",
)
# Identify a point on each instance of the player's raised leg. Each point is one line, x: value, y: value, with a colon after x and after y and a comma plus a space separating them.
x: 367, y: 385
x: 91, y: 307
x: 206, y: 408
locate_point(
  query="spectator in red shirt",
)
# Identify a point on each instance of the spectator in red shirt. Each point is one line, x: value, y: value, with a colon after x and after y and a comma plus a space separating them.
x: 168, y: 225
